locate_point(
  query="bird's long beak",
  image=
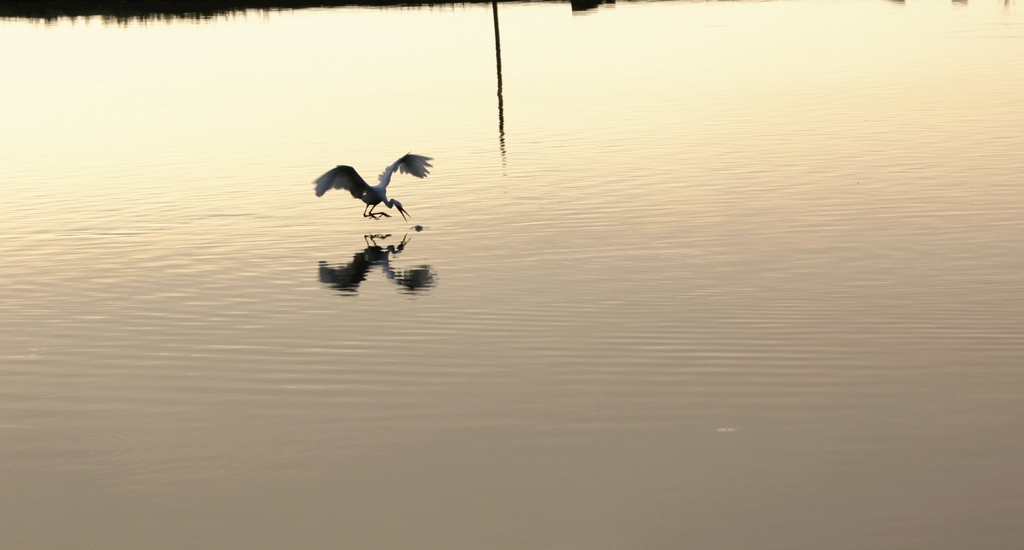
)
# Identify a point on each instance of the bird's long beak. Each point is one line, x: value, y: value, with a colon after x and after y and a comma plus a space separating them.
x: 403, y: 212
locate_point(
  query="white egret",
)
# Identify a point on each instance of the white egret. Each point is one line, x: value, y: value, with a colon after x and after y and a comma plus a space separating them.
x: 346, y: 177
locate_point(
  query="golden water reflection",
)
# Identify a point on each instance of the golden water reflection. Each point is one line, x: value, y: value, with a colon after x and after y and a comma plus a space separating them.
x: 741, y: 274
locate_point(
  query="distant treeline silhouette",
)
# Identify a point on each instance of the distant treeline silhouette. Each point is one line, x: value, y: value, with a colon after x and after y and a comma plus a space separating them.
x: 127, y: 10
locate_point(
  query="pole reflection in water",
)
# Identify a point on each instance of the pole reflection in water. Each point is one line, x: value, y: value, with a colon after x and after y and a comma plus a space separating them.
x: 347, y: 278
x: 501, y: 102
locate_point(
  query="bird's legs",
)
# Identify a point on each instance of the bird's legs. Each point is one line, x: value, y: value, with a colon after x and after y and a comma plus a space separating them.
x: 374, y: 215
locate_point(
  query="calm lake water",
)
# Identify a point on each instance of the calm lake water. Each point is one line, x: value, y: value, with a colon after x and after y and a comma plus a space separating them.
x: 716, y: 275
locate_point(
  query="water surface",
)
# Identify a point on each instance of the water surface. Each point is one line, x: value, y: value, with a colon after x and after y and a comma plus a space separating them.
x: 718, y: 275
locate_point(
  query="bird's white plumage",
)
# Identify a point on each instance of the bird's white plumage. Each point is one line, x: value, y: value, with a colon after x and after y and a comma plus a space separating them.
x: 341, y: 177
x: 345, y: 177
x: 415, y: 165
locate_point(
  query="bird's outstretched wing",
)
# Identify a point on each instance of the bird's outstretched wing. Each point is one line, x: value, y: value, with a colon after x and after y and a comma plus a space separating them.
x: 342, y: 177
x: 409, y: 164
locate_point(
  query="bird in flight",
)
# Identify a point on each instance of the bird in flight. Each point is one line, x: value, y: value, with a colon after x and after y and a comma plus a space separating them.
x: 346, y: 177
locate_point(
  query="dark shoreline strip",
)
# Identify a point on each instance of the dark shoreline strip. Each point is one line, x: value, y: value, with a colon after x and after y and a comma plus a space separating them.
x: 129, y: 10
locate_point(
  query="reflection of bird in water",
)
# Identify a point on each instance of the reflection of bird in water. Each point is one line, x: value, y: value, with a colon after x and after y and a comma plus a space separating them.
x: 348, y: 277
x: 346, y: 177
